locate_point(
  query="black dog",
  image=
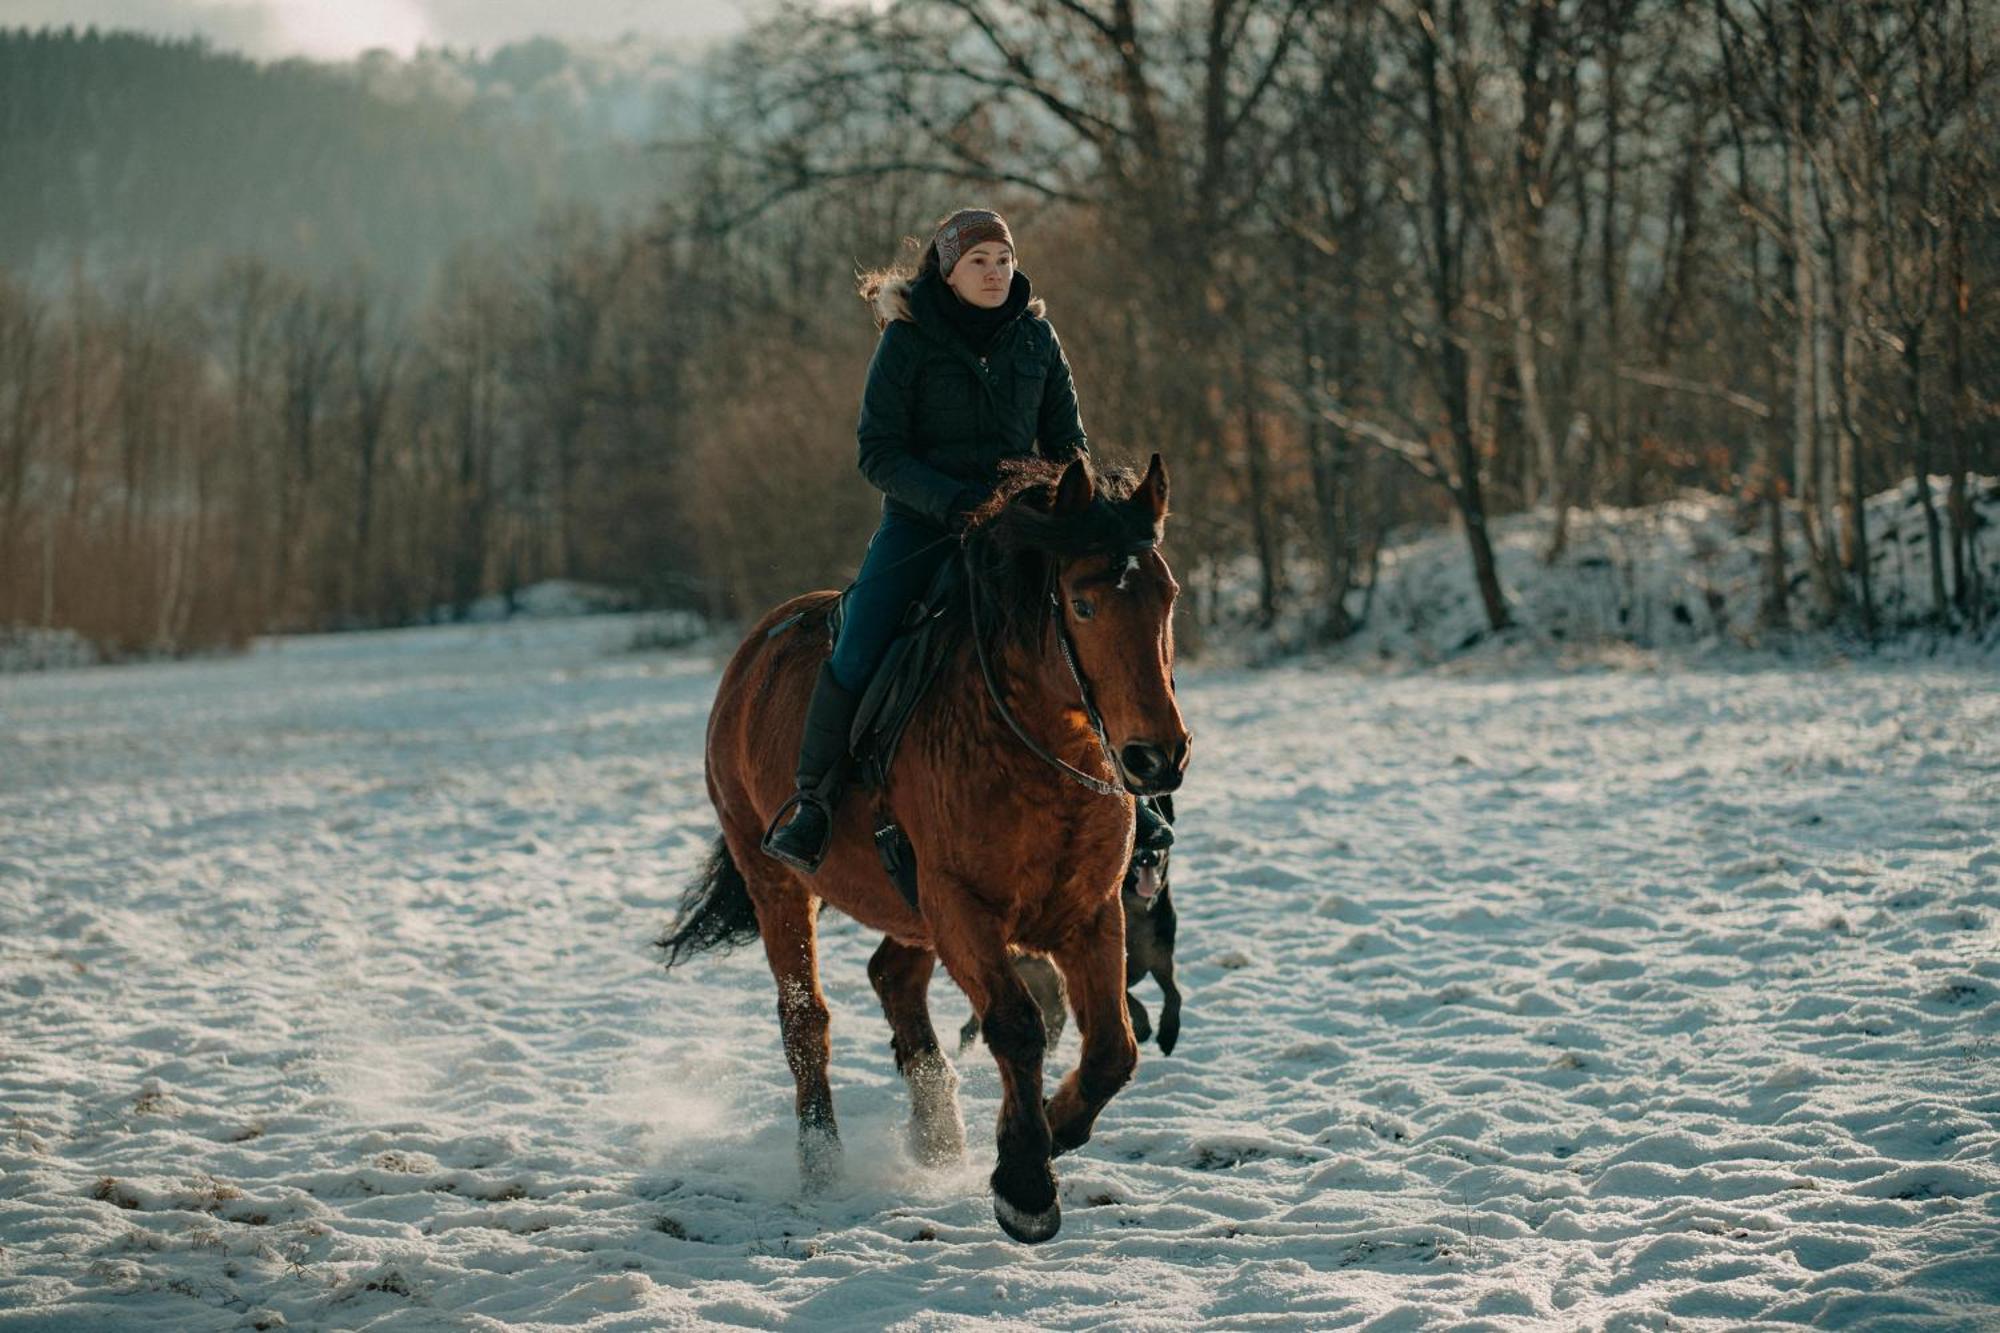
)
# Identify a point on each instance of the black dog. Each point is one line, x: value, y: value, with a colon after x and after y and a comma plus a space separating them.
x: 1149, y: 934
x: 1149, y: 945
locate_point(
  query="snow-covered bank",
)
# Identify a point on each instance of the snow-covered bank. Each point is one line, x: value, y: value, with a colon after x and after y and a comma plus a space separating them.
x: 32, y: 648
x: 29, y: 648
x: 1685, y: 577
x: 1630, y: 1000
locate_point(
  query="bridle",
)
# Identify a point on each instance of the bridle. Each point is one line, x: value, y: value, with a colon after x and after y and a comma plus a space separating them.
x: 1096, y: 784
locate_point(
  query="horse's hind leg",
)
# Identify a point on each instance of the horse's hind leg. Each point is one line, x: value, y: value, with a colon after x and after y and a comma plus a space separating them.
x: 1039, y: 975
x: 787, y: 921
x: 1093, y: 963
x: 901, y: 976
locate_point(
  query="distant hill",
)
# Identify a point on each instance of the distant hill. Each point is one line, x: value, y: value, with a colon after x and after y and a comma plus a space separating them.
x: 119, y: 148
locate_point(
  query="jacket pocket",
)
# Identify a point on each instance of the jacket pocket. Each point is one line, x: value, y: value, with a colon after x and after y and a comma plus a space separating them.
x: 1031, y: 375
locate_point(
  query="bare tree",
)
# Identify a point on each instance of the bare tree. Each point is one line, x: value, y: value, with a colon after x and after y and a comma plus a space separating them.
x: 1920, y: 70
x: 25, y: 393
x: 374, y: 351
x: 308, y: 343
x: 566, y: 296
x: 469, y: 337
x: 1325, y: 209
x: 1438, y: 45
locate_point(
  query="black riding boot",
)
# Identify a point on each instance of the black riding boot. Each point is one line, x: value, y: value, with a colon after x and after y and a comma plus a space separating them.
x: 822, y: 772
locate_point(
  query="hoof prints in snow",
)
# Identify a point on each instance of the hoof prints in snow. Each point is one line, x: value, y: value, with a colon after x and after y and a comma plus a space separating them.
x: 327, y: 1002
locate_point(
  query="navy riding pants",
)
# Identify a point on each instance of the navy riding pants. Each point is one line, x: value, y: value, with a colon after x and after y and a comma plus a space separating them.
x: 903, y: 556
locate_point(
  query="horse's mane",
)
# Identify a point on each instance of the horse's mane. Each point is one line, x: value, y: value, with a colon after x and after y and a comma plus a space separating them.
x: 1015, y: 539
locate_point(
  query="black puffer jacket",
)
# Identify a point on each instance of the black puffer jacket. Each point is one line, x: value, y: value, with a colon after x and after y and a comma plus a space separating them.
x: 936, y: 419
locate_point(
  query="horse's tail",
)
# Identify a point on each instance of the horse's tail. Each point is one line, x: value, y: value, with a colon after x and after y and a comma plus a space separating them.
x: 715, y: 911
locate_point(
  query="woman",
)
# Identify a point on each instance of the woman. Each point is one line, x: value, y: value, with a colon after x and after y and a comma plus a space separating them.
x: 967, y: 373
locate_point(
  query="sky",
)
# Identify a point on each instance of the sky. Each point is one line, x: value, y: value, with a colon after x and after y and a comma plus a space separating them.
x: 339, y: 29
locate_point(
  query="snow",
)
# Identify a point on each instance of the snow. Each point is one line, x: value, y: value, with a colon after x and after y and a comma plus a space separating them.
x: 30, y: 648
x: 549, y: 599
x: 1663, y: 997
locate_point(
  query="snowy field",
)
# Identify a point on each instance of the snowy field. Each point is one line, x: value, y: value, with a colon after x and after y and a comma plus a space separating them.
x: 1665, y: 998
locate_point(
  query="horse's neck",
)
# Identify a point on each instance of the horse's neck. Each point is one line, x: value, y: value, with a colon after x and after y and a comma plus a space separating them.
x: 1039, y: 691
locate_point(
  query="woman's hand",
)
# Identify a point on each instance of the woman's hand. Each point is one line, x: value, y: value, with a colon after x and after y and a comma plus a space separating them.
x: 963, y: 506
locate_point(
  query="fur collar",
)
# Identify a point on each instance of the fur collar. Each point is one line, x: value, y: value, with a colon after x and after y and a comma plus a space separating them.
x: 891, y: 302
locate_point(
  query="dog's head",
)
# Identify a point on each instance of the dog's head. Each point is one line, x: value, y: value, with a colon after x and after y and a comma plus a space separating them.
x: 1146, y: 876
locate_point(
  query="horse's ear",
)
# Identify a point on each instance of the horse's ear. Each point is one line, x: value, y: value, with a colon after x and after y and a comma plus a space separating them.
x: 1075, y: 490
x: 1152, y: 492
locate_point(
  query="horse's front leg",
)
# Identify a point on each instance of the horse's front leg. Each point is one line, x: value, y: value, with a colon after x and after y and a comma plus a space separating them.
x: 973, y: 948
x: 1093, y: 963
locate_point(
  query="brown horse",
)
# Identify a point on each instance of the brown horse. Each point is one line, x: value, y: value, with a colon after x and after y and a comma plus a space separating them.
x: 1012, y: 783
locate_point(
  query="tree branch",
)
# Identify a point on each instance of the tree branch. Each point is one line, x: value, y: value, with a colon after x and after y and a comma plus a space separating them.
x: 1417, y: 456
x: 1660, y: 379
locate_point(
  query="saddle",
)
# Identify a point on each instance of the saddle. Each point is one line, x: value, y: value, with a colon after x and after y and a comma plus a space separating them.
x: 914, y: 658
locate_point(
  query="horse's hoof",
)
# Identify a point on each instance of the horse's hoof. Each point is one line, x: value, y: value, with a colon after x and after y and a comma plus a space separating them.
x: 940, y: 1142
x: 937, y: 1129
x: 1028, y: 1228
x: 819, y: 1161
x: 1066, y: 1138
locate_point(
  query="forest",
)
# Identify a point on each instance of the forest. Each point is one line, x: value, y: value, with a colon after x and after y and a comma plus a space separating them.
x: 1353, y: 268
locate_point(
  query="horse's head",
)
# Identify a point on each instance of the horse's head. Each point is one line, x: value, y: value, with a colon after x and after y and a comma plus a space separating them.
x: 1082, y: 553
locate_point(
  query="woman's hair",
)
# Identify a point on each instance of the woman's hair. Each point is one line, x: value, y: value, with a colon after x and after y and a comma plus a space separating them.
x: 919, y: 258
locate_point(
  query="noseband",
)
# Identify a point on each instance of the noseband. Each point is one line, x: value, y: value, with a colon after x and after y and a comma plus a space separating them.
x: 1096, y: 784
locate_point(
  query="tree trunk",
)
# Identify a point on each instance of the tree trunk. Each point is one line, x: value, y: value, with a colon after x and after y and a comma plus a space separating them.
x: 1775, y: 613
x: 1447, y: 275
x: 1270, y: 557
x: 1572, y: 455
x: 1468, y: 492
x: 1965, y: 573
x: 1805, y: 372
x: 26, y: 339
x: 1609, y: 268
x: 1330, y: 455
x: 1920, y: 456
x: 1844, y: 283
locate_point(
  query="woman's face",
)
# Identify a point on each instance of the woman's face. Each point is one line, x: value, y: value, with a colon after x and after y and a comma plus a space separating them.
x: 983, y: 275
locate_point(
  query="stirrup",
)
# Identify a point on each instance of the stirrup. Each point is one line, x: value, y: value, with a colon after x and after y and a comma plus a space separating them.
x: 811, y: 863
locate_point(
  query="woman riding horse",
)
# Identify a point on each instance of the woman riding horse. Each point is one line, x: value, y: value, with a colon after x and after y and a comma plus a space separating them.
x: 1054, y: 710
x: 968, y: 372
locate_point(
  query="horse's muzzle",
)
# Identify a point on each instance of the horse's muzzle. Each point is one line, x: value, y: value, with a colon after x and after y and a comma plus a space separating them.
x: 1152, y: 770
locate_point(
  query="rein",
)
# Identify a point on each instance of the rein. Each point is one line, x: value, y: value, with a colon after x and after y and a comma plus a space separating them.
x: 796, y: 616
x: 1096, y: 784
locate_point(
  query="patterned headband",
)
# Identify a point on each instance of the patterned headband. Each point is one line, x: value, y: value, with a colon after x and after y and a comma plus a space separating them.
x: 966, y: 228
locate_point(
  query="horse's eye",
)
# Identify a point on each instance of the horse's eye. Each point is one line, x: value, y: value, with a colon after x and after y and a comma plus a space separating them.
x: 1083, y: 609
